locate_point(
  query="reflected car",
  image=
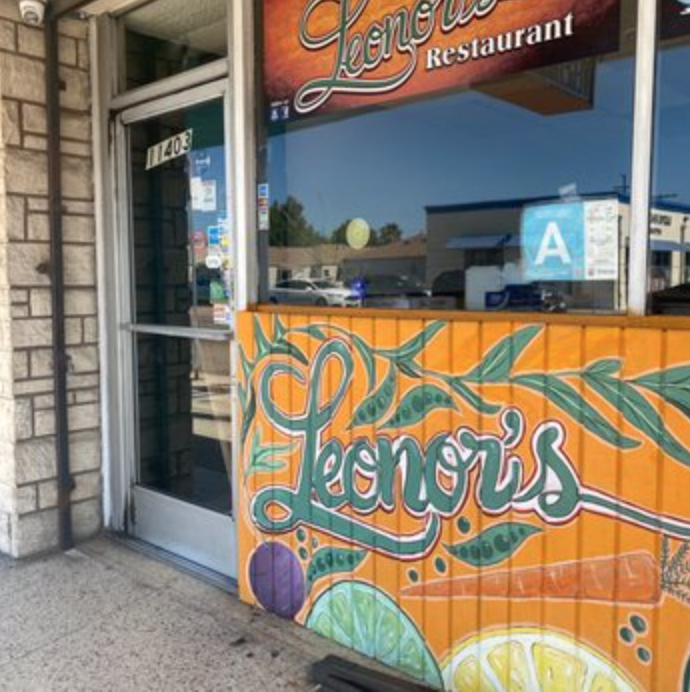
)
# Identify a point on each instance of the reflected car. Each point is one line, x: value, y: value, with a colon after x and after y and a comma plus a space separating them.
x: 316, y: 292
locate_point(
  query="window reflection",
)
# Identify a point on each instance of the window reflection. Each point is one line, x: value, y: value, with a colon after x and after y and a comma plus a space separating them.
x: 438, y: 191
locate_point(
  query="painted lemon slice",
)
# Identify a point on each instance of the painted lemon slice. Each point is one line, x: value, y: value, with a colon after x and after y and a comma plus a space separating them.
x: 530, y: 660
x: 358, y: 234
x: 363, y: 618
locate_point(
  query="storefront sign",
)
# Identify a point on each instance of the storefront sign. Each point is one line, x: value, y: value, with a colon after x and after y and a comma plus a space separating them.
x: 169, y: 149
x: 323, y: 56
x: 574, y: 241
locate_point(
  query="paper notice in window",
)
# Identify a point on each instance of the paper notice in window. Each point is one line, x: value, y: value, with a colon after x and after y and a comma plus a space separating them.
x: 204, y: 195
x: 601, y: 240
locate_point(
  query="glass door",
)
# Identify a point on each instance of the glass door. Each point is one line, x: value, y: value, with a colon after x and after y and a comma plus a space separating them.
x: 180, y: 254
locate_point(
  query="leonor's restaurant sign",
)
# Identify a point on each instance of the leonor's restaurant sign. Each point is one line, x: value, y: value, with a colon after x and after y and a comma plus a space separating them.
x: 323, y: 56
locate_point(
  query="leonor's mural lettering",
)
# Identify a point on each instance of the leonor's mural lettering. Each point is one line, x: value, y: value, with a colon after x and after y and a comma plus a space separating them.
x: 480, y: 522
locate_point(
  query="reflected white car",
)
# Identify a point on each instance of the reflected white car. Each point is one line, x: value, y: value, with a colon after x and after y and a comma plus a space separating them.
x: 313, y: 292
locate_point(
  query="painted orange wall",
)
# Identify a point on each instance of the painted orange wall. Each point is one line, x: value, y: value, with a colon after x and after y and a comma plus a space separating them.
x: 564, y: 565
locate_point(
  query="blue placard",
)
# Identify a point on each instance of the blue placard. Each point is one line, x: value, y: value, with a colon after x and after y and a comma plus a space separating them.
x: 553, y: 242
x: 213, y: 236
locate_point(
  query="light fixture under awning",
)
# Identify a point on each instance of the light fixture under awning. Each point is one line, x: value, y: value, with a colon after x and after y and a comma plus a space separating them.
x: 483, y: 242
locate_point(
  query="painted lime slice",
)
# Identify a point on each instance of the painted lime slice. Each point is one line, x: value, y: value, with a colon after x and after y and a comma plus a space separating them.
x: 363, y: 618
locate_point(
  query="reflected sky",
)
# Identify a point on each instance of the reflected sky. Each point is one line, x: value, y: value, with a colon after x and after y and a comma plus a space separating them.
x: 388, y: 165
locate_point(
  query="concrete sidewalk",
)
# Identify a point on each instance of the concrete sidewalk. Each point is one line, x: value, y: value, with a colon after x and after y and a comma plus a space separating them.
x: 105, y: 617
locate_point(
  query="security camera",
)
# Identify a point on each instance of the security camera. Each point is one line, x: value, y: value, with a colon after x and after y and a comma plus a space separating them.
x: 32, y: 11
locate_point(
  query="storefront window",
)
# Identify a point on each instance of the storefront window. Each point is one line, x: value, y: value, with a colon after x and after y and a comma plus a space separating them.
x: 166, y: 37
x: 669, y: 275
x: 496, y: 178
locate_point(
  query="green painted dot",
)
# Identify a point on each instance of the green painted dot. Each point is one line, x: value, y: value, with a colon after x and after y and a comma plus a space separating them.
x: 439, y: 398
x: 413, y: 575
x: 501, y: 544
x: 475, y: 553
x: 428, y: 398
x: 487, y: 551
x: 627, y: 635
x: 303, y: 554
x: 440, y: 565
x: 464, y: 525
x: 314, y: 542
x: 464, y: 552
x: 644, y: 654
x: 639, y: 624
x: 301, y: 535
x: 418, y: 403
x: 406, y: 413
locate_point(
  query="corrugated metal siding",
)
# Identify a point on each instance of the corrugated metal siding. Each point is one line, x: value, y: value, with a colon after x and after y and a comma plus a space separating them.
x: 613, y: 628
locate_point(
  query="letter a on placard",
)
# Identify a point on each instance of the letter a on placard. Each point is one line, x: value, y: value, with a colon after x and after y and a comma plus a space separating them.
x: 553, y: 245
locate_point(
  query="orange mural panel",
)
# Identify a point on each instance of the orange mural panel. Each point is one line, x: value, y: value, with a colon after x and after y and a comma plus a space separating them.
x: 482, y: 506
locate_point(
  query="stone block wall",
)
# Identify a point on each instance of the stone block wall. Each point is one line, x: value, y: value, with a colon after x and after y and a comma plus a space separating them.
x: 28, y: 471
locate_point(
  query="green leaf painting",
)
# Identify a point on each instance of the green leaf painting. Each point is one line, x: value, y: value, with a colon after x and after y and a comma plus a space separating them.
x: 471, y: 397
x: 672, y: 385
x: 266, y: 459
x: 412, y: 348
x: 499, y: 361
x: 494, y: 545
x: 568, y: 399
x: 418, y: 404
x: 639, y: 413
x: 248, y: 414
x: 376, y: 405
x: 329, y: 561
x: 263, y: 345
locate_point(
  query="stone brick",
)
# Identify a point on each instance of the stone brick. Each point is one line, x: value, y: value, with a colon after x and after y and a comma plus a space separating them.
x: 36, y: 460
x: 76, y: 28
x: 22, y: 78
x: 80, y: 265
x: 44, y: 423
x: 20, y: 365
x: 28, y: 264
x: 80, y: 302
x: 42, y: 363
x: 16, y: 217
x: 35, y: 533
x: 32, y: 333
x: 89, y: 396
x: 83, y: 359
x: 75, y: 382
x: 70, y: 148
x: 32, y: 387
x: 28, y: 172
x: 46, y: 401
x: 27, y: 499
x: 77, y: 92
x: 18, y: 312
x: 41, y: 302
x: 85, y: 451
x: 23, y: 413
x: 84, y: 417
x: 67, y: 51
x: 38, y: 227
x: 74, y: 333
x: 31, y: 41
x: 47, y: 495
x: 19, y: 296
x: 90, y: 330
x: 10, y: 10
x: 38, y: 203
x: 11, y: 128
x: 77, y: 178
x: 87, y: 519
x: 8, y: 35
x: 83, y: 55
x: 78, y: 229
x: 88, y: 486
x: 34, y: 119
x: 35, y: 143
x: 75, y: 126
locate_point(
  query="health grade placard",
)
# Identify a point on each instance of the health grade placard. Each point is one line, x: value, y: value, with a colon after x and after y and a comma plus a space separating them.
x: 571, y: 241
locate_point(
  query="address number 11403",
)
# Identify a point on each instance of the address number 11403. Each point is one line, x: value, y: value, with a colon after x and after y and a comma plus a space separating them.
x: 168, y: 149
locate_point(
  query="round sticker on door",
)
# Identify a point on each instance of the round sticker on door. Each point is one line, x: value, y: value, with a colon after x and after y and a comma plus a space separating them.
x: 214, y: 262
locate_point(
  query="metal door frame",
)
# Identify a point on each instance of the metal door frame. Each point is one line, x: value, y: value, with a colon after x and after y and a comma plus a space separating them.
x: 204, y: 537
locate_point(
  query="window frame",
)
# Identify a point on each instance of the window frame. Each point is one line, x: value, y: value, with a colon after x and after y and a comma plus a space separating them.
x: 644, y: 103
